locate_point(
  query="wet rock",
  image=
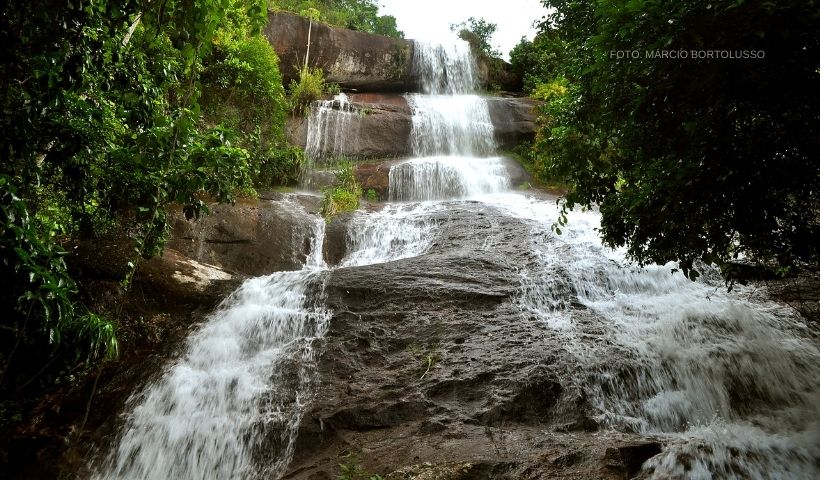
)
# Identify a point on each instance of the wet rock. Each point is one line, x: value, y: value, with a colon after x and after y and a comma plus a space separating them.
x: 252, y: 237
x: 376, y: 177
x: 628, y: 458
x: 427, y: 471
x: 513, y: 119
x: 335, y: 246
x: 428, y: 359
x: 179, y: 279
x: 379, y: 130
x: 354, y: 60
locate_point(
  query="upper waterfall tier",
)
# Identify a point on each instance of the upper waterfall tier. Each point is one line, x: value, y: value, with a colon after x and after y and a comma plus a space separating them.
x: 444, y: 69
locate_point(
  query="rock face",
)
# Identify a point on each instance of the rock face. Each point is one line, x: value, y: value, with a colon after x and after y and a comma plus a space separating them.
x: 429, y: 369
x: 384, y: 122
x: 253, y: 237
x: 380, y: 129
x: 354, y: 60
x: 513, y: 119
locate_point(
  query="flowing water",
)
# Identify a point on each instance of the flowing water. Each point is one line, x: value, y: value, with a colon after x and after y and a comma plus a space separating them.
x: 729, y: 381
x: 333, y: 129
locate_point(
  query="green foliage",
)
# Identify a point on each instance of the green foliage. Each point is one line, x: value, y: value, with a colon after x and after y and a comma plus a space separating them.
x: 539, y: 60
x: 110, y: 114
x: 371, y: 195
x: 351, y: 470
x: 361, y: 15
x: 345, y: 195
x: 478, y: 33
x: 310, y: 87
x: 688, y: 158
x: 36, y: 296
x: 242, y: 92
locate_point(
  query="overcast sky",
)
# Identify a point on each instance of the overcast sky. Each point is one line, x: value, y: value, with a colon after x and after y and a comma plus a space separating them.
x: 431, y: 19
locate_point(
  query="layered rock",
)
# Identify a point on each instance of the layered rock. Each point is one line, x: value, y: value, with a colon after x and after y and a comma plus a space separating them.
x: 384, y: 123
x: 429, y: 369
x: 354, y: 60
x: 252, y: 237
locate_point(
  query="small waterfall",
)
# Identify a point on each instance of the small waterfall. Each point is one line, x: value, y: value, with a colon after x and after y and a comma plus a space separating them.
x: 333, y: 129
x: 448, y: 119
x: 436, y: 178
x: 395, y: 232
x: 244, y: 380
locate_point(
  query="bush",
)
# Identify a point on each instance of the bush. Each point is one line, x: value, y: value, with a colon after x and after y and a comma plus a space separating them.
x: 310, y: 87
x: 244, y: 93
x: 37, y: 298
x: 345, y: 195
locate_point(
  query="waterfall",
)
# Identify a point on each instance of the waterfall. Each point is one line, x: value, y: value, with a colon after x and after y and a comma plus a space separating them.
x: 729, y: 381
x: 246, y: 374
x: 436, y: 178
x: 333, y: 129
x: 448, y: 119
x: 444, y: 69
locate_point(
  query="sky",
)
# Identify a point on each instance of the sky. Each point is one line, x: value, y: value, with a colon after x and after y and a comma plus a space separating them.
x: 431, y: 19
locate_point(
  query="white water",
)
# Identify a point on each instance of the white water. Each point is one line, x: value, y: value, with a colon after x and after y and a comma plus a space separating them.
x: 232, y: 384
x: 248, y: 374
x: 333, y: 129
x: 444, y: 69
x: 732, y: 383
x: 450, y: 125
x: 448, y: 118
x: 438, y: 178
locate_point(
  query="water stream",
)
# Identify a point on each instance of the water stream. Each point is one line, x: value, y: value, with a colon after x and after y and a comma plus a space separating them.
x: 731, y: 382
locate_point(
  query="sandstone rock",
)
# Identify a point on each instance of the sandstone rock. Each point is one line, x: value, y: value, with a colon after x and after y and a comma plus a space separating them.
x: 252, y: 237
x: 354, y: 60
x: 174, y: 279
x: 513, y: 119
x: 376, y: 177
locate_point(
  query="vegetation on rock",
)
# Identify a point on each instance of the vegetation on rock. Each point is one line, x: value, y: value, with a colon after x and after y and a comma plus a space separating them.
x: 345, y: 195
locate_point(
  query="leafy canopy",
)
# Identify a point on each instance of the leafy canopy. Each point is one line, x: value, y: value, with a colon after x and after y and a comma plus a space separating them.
x: 695, y: 158
x: 361, y: 15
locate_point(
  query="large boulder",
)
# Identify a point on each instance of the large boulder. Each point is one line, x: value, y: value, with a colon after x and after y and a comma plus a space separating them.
x: 252, y: 237
x: 354, y: 60
x: 513, y: 119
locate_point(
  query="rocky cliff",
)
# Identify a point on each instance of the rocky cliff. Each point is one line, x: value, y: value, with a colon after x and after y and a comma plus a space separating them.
x: 354, y: 60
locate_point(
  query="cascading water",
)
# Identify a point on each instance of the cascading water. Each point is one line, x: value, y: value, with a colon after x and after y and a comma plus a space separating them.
x: 247, y: 375
x: 232, y: 385
x: 436, y: 178
x: 729, y: 382
x: 333, y: 129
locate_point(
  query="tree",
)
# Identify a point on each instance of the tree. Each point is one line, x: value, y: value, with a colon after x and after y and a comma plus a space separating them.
x: 479, y: 33
x: 361, y: 15
x: 690, y: 155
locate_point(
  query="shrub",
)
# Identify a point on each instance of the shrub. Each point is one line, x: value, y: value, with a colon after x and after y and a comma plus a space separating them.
x: 310, y: 87
x: 343, y: 197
